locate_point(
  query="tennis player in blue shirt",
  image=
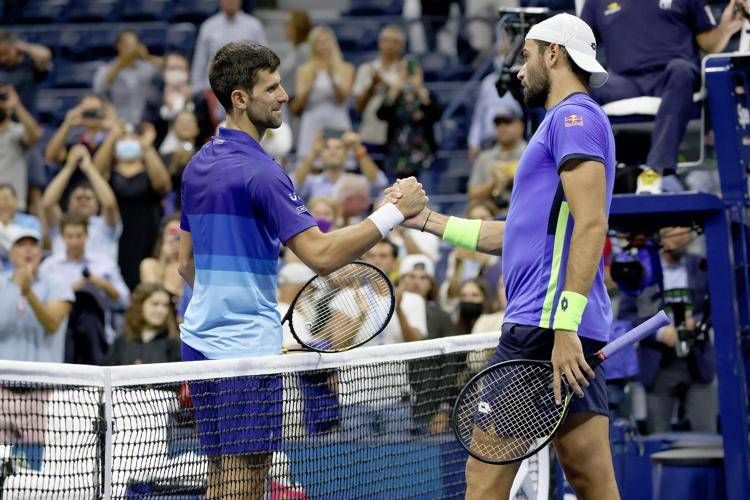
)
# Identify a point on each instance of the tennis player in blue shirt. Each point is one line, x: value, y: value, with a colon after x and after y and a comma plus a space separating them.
x: 552, y: 241
x: 238, y: 207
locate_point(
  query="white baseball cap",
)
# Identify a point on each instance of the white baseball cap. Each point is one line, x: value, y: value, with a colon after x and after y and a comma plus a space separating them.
x: 576, y: 36
x: 417, y: 261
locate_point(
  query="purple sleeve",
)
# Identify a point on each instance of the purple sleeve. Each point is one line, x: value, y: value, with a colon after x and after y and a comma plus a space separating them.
x: 274, y: 199
x: 577, y: 132
x: 701, y: 18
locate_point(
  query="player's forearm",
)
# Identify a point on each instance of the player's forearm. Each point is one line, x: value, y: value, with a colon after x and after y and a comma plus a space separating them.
x: 586, y: 244
x: 344, y: 245
x: 490, y: 234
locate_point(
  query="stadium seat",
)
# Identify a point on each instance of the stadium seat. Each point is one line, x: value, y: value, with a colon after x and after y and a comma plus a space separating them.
x: 42, y: 11
x: 181, y: 38
x: 154, y: 37
x: 92, y: 11
x: 47, y: 36
x: 375, y: 8
x: 71, y: 75
x: 52, y: 104
x: 193, y: 11
x: 86, y: 43
x: 356, y: 37
x: 146, y: 10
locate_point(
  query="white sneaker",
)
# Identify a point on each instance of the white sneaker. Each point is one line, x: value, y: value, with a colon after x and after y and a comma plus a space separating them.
x: 649, y: 182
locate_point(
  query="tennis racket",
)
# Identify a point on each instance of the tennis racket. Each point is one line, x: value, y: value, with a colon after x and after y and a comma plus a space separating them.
x: 343, y: 310
x: 507, y: 412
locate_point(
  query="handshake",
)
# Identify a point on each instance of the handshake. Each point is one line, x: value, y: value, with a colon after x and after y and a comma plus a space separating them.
x: 411, y: 200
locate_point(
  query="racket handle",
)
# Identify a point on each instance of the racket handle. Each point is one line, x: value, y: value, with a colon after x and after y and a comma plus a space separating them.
x: 641, y: 331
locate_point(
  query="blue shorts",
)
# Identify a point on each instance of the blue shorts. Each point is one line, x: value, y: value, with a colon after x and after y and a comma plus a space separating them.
x: 238, y: 415
x: 533, y: 342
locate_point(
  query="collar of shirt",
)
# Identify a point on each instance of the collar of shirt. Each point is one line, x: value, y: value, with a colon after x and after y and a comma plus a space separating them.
x: 243, y: 138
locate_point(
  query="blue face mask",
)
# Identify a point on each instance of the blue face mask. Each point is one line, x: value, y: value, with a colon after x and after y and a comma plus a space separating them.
x: 324, y: 225
x: 128, y: 150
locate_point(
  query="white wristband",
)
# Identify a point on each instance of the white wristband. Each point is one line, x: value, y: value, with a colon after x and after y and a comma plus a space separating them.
x: 386, y: 218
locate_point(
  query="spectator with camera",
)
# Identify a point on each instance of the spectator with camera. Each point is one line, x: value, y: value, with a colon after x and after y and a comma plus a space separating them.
x: 174, y: 97
x: 128, y: 80
x: 91, y: 198
x: 84, y: 124
x: 492, y: 173
x: 23, y: 65
x: 177, y: 150
x: 34, y: 306
x: 15, y: 138
x: 331, y: 148
x: 139, y: 179
x: 371, y: 84
x: 99, y: 290
x: 411, y: 112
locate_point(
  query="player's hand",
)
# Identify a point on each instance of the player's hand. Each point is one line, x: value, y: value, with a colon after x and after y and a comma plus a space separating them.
x: 418, y: 221
x: 414, y: 198
x: 568, y: 361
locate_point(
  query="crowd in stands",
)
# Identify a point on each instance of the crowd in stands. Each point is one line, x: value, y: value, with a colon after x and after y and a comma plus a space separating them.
x: 89, y: 220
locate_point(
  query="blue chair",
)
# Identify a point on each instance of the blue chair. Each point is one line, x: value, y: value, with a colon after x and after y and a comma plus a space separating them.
x: 53, y: 104
x: 146, y: 10
x: 353, y: 36
x: 42, y: 11
x: 193, y: 11
x: 153, y: 37
x: 92, y: 11
x: 76, y: 75
x: 47, y: 36
x: 181, y: 38
x: 88, y: 43
x: 375, y: 8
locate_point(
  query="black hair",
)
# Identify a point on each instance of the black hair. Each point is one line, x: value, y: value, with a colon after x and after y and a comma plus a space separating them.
x: 236, y: 66
x: 579, y: 72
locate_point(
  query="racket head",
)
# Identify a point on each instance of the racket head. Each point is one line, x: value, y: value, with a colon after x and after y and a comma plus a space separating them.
x: 507, y: 412
x: 342, y: 310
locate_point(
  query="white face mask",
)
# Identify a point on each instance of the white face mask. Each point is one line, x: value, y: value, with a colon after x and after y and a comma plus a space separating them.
x: 175, y: 77
x: 128, y: 150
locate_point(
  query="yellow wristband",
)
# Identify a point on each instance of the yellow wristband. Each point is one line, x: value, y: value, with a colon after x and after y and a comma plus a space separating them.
x: 462, y: 232
x: 569, y: 311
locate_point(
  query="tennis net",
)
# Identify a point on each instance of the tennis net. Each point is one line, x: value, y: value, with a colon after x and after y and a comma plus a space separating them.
x: 372, y: 422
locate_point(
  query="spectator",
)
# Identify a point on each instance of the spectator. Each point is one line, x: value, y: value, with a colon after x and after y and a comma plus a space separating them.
x: 161, y: 268
x: 177, y: 150
x: 292, y: 277
x: 139, y: 179
x: 34, y: 306
x: 326, y: 212
x: 128, y: 80
x: 10, y: 219
x: 464, y: 264
x: 680, y: 356
x: 84, y: 124
x: 323, y: 85
x: 411, y: 113
x: 492, y: 315
x: 23, y: 65
x: 372, y: 83
x: 332, y: 153
x: 417, y: 273
x: 353, y: 194
x: 85, y: 199
x: 15, y: 139
x: 98, y: 278
x: 492, y: 173
x: 229, y: 25
x: 150, y: 330
x: 662, y: 59
x: 475, y: 301
x: 176, y: 96
x: 297, y: 30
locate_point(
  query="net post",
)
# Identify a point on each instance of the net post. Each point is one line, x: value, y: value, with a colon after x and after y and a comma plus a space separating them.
x: 108, y: 424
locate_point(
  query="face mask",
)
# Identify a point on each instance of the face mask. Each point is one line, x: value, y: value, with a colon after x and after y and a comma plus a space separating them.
x: 324, y: 225
x: 3, y: 114
x: 175, y: 77
x: 470, y: 310
x: 128, y: 150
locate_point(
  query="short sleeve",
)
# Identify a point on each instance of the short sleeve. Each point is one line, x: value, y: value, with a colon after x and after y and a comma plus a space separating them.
x: 59, y: 290
x: 480, y: 170
x: 701, y: 18
x: 274, y: 199
x: 363, y: 79
x: 577, y: 132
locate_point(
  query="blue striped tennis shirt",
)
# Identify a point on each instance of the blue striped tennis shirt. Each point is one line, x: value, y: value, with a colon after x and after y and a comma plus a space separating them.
x: 239, y: 205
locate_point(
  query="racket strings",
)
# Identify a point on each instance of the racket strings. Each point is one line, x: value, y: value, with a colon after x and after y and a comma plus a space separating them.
x: 344, y: 309
x: 509, y: 413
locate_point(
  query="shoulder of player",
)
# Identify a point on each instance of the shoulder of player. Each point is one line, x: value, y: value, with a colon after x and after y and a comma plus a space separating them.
x: 585, y: 108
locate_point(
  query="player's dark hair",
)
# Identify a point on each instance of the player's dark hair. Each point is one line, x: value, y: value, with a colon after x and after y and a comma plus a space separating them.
x: 71, y: 219
x: 579, y: 72
x: 236, y: 66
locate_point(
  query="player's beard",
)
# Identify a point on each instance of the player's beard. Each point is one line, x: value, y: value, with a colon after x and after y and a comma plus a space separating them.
x: 537, y: 87
x: 263, y: 120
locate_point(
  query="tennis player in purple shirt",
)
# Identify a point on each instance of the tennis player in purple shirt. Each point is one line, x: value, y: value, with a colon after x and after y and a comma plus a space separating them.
x: 551, y: 242
x: 238, y: 206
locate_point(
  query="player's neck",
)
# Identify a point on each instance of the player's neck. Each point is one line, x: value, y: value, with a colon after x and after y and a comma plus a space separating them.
x: 561, y: 89
x: 245, y: 125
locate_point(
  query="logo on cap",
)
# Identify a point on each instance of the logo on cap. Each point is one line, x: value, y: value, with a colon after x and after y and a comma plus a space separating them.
x: 593, y: 46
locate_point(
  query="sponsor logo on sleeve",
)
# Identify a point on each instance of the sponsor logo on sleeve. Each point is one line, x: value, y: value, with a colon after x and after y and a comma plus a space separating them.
x: 574, y: 121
